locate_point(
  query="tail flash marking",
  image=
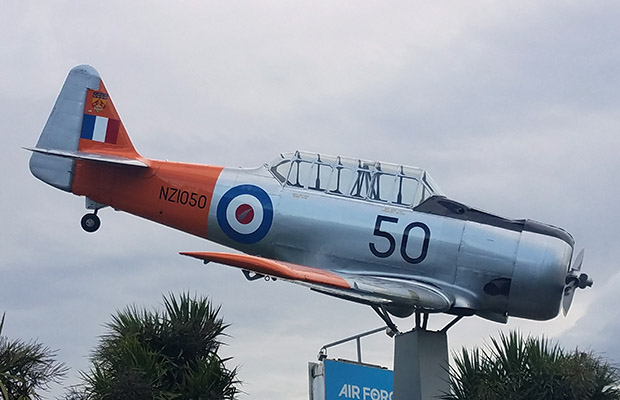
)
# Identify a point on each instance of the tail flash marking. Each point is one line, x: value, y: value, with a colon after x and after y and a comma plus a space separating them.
x: 100, y: 129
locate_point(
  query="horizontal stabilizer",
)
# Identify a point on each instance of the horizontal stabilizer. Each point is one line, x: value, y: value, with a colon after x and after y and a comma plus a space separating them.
x: 80, y: 155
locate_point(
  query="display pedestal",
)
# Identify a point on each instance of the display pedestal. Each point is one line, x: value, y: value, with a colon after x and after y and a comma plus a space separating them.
x: 420, y: 365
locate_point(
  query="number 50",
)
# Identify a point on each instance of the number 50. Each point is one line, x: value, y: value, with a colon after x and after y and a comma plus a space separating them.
x: 403, y: 244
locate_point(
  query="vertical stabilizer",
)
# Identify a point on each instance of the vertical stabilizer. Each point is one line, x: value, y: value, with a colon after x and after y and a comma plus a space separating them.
x: 84, y: 124
x: 63, y: 127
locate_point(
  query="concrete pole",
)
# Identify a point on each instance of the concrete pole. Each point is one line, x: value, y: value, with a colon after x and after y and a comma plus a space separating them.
x: 420, y: 365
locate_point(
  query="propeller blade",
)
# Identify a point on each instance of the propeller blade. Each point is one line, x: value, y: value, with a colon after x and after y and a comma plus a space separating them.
x: 569, y: 294
x: 578, y: 261
x: 573, y: 281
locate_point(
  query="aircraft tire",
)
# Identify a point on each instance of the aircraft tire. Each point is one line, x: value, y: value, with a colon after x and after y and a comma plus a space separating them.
x: 90, y: 223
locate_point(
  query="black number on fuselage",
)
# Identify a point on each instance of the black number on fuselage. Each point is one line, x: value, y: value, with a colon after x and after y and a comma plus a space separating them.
x: 423, y: 250
x: 380, y: 233
x: 404, y: 242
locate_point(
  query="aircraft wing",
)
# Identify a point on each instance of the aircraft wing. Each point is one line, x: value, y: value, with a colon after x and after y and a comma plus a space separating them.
x: 366, y: 289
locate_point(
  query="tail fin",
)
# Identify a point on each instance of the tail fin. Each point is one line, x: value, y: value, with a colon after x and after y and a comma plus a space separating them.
x: 83, y: 124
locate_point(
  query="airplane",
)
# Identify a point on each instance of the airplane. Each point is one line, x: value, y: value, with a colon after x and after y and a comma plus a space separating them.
x: 375, y: 233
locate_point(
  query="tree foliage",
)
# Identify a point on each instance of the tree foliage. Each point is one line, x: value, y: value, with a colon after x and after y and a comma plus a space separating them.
x: 161, y: 355
x: 26, y: 367
x: 518, y: 368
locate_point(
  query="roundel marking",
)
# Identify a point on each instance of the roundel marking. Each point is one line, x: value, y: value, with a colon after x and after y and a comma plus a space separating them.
x: 245, y: 213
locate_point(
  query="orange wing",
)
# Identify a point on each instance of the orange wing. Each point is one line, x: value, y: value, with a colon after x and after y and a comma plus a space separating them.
x: 270, y: 267
x: 365, y: 289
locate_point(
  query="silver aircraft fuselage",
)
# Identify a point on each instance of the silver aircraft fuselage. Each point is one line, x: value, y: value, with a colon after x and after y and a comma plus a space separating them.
x: 491, y: 266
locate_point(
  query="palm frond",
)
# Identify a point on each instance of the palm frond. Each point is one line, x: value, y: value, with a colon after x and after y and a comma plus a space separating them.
x: 162, y: 355
x: 26, y: 367
x: 515, y: 367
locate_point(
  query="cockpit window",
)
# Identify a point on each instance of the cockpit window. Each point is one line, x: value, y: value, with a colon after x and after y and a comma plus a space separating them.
x: 381, y: 186
x: 280, y: 169
x: 361, y: 185
x: 320, y: 175
x: 299, y: 173
x: 360, y: 179
x: 405, y: 191
x: 341, y: 180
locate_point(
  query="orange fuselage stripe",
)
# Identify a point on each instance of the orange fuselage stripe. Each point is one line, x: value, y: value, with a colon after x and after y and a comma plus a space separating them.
x: 174, y: 194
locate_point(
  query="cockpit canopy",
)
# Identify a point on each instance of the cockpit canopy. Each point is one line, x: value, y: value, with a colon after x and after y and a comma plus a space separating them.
x: 375, y: 181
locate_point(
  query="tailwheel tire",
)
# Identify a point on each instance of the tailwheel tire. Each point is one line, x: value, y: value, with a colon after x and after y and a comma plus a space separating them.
x: 90, y: 223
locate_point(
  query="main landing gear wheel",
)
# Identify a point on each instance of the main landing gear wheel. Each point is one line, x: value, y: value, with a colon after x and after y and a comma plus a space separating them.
x: 90, y: 222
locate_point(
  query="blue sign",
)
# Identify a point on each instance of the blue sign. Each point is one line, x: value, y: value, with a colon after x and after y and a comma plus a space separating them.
x: 357, y: 382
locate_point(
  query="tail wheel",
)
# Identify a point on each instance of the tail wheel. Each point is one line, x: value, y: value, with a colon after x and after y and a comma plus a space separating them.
x: 90, y: 223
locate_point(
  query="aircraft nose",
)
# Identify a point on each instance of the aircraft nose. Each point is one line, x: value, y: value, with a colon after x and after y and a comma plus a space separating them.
x: 543, y: 260
x: 558, y: 255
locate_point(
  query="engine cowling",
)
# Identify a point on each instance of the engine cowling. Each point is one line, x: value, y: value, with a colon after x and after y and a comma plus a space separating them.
x: 542, y: 262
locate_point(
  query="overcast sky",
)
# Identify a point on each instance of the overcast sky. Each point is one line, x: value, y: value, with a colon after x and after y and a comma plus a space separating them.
x: 512, y: 107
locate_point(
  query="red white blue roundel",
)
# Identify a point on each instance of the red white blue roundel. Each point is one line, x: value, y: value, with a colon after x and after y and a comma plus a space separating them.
x: 245, y: 213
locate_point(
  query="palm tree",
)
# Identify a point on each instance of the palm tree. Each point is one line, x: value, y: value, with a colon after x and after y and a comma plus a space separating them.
x: 26, y: 367
x: 161, y: 355
x: 515, y: 368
